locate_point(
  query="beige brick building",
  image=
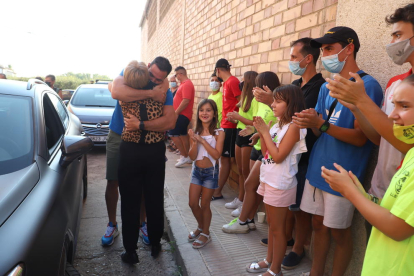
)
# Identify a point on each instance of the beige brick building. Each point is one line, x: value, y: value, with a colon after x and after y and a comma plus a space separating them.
x: 256, y: 35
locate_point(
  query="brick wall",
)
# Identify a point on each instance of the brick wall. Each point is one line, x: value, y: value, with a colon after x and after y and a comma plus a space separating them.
x: 251, y: 34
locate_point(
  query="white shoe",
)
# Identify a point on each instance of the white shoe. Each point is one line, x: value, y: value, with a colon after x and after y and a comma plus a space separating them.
x: 234, y: 227
x: 251, y: 224
x: 236, y: 213
x: 305, y: 274
x: 234, y: 204
x: 182, y: 162
x: 189, y: 161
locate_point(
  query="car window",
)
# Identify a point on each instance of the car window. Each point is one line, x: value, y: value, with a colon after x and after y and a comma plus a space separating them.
x: 91, y: 96
x: 60, y: 109
x: 53, y: 124
x: 16, y: 133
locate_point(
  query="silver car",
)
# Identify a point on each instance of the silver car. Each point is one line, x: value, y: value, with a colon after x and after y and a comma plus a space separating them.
x: 43, y: 180
x: 94, y: 106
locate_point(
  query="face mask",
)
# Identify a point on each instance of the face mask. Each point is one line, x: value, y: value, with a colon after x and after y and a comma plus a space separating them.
x: 214, y: 85
x: 49, y: 83
x: 404, y: 133
x: 332, y: 63
x: 296, y: 69
x: 173, y: 84
x: 241, y: 84
x: 150, y: 85
x: 400, y: 51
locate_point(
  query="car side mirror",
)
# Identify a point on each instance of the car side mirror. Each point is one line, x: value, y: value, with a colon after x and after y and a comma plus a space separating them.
x: 73, y: 147
x: 66, y: 102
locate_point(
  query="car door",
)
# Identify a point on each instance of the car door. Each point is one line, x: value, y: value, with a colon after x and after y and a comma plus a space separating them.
x: 56, y: 243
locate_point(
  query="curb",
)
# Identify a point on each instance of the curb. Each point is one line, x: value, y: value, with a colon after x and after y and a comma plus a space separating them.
x: 188, y: 258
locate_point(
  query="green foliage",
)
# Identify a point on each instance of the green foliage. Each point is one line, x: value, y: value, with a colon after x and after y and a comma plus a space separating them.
x: 70, y: 80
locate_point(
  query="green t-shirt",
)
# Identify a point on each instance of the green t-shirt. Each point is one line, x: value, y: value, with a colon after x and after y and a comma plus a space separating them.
x: 385, y: 256
x: 266, y: 113
x: 218, y: 98
x: 249, y: 114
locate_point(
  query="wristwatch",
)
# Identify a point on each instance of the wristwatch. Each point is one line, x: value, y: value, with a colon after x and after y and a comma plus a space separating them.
x: 325, y: 126
x: 141, y: 125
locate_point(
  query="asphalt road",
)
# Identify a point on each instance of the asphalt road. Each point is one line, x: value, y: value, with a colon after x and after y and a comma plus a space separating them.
x: 94, y: 259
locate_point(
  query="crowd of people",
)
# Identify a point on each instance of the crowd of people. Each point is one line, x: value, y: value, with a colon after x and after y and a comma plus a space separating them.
x: 299, y: 148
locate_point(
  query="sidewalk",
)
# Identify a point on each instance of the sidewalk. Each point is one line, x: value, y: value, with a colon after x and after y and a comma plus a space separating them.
x: 226, y: 254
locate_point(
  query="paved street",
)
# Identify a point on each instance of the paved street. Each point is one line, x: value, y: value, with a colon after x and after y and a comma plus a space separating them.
x: 91, y: 257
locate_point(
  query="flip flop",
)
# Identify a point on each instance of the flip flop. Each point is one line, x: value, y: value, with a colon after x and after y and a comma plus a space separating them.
x: 216, y: 197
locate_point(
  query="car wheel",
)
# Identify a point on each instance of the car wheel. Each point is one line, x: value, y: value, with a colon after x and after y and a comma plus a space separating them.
x: 85, y: 179
x: 70, y: 270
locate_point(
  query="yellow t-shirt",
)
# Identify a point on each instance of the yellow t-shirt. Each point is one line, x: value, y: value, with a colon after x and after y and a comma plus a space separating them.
x: 385, y: 256
x: 218, y: 99
x: 266, y: 113
x: 249, y: 114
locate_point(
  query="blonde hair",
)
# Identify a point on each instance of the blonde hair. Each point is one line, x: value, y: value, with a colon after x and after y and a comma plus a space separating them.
x: 136, y: 74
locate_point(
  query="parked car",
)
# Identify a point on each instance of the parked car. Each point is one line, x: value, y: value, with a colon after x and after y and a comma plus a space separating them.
x: 67, y: 94
x: 43, y: 180
x: 94, y: 106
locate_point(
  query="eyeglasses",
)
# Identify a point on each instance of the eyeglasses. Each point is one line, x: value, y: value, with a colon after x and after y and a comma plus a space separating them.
x: 152, y: 76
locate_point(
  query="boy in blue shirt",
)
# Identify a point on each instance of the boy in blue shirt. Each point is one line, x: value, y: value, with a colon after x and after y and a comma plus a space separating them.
x: 341, y: 140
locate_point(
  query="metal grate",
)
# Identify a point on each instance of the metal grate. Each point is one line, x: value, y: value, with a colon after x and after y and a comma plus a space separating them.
x: 152, y: 19
x: 94, y: 131
x: 165, y: 5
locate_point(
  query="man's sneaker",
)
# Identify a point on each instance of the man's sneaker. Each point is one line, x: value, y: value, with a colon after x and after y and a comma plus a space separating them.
x: 234, y: 204
x: 234, y: 227
x: 143, y: 232
x: 110, y: 234
x: 236, y: 213
x: 182, y: 162
x: 251, y: 224
x: 292, y: 260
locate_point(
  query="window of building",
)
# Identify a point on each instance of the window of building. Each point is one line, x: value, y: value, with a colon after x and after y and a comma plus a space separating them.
x: 152, y: 19
x: 164, y: 7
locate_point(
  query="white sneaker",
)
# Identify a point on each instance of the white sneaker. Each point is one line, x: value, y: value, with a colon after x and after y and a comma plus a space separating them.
x: 182, y: 162
x: 234, y: 204
x: 234, y: 227
x: 251, y: 224
x: 236, y: 213
x: 305, y: 274
x: 189, y: 161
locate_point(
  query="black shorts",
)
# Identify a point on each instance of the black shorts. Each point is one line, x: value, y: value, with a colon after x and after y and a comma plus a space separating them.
x: 301, y: 178
x: 256, y: 155
x: 181, y: 127
x: 229, y: 142
x: 241, y: 141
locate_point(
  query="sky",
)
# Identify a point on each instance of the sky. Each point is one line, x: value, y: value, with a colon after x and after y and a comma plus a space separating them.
x: 55, y: 37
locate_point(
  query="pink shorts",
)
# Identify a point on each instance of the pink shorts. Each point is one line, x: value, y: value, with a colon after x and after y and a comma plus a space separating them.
x: 275, y: 197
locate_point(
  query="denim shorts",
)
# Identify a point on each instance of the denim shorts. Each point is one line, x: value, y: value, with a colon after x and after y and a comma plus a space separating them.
x: 206, y: 177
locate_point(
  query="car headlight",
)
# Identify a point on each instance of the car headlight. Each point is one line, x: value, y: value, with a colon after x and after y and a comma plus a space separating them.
x: 17, y: 271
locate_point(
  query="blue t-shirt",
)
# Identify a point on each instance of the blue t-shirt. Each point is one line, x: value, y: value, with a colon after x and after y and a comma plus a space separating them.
x: 328, y: 150
x: 117, y: 121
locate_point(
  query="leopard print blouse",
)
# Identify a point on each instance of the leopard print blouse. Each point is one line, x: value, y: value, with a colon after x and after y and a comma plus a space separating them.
x: 144, y: 110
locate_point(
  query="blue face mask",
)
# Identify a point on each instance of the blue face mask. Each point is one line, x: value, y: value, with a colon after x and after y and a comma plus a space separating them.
x: 173, y: 84
x: 215, y: 86
x: 296, y: 69
x: 332, y: 63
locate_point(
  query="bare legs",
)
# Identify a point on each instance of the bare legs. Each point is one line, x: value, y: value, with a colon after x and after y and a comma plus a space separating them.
x: 223, y: 175
x: 302, y: 230
x: 201, y: 211
x: 182, y: 143
x: 243, y: 165
x: 251, y: 198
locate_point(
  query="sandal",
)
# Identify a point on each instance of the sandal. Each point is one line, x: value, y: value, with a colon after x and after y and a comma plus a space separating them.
x: 255, y: 267
x: 201, y: 243
x: 194, y: 236
x: 273, y: 274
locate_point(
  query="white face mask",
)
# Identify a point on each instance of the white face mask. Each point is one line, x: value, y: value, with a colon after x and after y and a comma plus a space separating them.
x: 215, y: 86
x: 400, y: 51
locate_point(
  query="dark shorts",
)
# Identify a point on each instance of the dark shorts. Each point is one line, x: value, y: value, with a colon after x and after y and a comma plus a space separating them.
x: 241, y: 141
x: 301, y: 178
x: 229, y: 142
x: 181, y: 126
x: 256, y: 155
x: 112, y: 155
x: 206, y: 177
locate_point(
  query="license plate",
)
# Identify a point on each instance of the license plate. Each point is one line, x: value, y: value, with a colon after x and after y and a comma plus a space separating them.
x: 98, y: 138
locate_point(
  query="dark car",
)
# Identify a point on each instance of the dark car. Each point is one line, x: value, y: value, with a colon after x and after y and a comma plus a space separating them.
x: 43, y: 180
x: 94, y: 106
x: 67, y: 94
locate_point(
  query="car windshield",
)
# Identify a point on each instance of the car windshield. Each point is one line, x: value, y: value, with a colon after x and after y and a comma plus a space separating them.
x: 92, y: 96
x: 16, y: 135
